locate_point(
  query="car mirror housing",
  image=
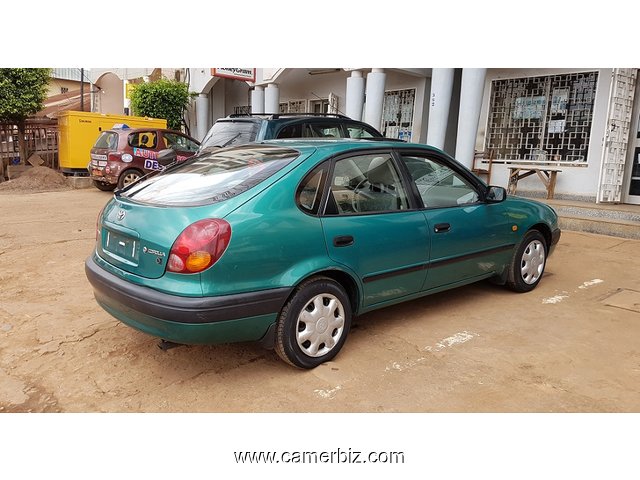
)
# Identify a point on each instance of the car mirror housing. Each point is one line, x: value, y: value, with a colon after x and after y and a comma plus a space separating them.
x: 496, y: 194
x: 166, y: 156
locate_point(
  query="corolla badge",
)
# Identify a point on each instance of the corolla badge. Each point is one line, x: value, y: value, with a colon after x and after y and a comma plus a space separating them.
x: 121, y: 214
x: 159, y: 255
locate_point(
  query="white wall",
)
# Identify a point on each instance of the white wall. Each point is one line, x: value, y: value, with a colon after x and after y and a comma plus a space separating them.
x: 297, y: 84
x: 573, y: 180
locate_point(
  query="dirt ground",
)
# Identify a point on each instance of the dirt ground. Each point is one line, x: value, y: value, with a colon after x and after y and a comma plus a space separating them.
x: 571, y: 345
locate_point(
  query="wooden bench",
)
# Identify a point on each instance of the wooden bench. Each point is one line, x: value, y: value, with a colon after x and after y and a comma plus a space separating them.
x: 545, y: 173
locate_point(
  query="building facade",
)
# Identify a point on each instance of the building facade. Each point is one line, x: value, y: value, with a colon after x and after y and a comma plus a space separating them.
x: 582, y: 121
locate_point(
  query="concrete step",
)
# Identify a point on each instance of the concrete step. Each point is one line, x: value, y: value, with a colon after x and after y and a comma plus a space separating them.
x: 617, y: 220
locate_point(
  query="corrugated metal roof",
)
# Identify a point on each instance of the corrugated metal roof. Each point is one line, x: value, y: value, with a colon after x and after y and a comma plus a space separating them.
x: 69, y: 74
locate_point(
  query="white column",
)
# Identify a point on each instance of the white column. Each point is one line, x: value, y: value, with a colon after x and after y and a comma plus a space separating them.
x: 272, y: 99
x: 257, y: 99
x: 202, y: 115
x: 375, y: 97
x: 126, y: 106
x: 470, y: 104
x: 439, y: 103
x: 355, y: 95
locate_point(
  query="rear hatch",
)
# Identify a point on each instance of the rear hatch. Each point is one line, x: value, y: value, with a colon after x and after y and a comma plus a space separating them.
x: 139, y: 226
x: 106, y: 142
x: 228, y: 132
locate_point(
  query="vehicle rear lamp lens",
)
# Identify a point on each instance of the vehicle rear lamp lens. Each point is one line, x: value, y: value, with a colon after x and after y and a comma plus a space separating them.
x: 99, y: 224
x: 199, y: 246
x: 198, y: 261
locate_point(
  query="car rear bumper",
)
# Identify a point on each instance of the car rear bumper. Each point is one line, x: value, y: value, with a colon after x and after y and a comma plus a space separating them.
x: 192, y: 320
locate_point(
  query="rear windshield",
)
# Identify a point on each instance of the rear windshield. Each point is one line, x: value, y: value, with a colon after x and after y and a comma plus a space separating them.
x: 225, y: 133
x: 107, y: 140
x: 212, y: 177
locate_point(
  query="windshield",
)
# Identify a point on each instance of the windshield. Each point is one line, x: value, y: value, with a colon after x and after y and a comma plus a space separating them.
x: 225, y: 133
x: 212, y: 177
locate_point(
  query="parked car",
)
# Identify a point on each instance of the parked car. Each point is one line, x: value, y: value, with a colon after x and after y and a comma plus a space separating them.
x: 284, y: 242
x: 245, y: 128
x: 121, y: 156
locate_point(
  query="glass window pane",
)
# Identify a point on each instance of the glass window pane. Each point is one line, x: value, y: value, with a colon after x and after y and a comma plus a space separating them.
x: 439, y: 185
x: 367, y: 183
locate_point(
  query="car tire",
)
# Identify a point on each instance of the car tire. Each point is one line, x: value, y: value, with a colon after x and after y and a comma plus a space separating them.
x: 313, y: 325
x: 128, y: 177
x: 528, y: 262
x: 105, y: 187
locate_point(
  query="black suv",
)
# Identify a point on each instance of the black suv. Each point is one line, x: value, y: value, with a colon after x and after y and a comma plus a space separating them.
x: 246, y: 128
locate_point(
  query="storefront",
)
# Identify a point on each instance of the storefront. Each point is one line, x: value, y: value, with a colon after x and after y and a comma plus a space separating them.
x: 584, y: 122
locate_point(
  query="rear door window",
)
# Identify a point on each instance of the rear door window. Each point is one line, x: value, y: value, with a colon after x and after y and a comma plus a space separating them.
x: 360, y: 131
x: 143, y: 139
x: 324, y: 130
x: 213, y: 177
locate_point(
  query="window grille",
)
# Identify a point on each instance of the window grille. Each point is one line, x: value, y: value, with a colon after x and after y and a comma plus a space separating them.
x: 397, y: 114
x: 545, y: 118
x: 242, y: 110
x: 293, y: 106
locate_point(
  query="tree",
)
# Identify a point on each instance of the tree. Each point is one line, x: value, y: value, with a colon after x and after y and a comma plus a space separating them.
x: 161, y: 99
x: 22, y: 93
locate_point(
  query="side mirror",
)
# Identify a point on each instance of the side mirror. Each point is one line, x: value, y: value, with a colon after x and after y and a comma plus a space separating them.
x: 496, y: 194
x: 166, y: 157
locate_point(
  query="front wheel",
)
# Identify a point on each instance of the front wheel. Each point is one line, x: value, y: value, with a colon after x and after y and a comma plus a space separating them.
x: 313, y: 324
x: 529, y: 260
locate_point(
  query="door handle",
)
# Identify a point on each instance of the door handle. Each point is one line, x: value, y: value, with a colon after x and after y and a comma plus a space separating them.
x: 342, y: 241
x: 442, y: 227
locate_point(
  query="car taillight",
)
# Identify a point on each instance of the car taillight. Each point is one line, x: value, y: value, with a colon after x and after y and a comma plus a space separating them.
x: 199, y: 246
x: 114, y: 156
x: 98, y: 225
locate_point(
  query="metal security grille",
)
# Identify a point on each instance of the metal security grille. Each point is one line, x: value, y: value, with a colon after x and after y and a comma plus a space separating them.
x: 242, y: 110
x: 293, y: 106
x: 397, y: 114
x: 544, y: 118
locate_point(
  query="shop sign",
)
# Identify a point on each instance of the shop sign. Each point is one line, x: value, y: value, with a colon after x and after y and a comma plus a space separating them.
x: 246, y: 74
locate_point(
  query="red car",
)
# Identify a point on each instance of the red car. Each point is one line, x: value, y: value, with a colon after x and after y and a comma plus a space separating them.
x: 121, y: 156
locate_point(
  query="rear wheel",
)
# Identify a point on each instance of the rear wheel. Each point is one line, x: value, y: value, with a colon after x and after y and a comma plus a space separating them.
x: 527, y: 265
x: 105, y: 187
x: 313, y: 324
x: 128, y: 177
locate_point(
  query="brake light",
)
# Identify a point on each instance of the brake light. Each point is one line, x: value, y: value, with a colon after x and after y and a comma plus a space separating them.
x: 98, y: 224
x: 114, y: 156
x: 199, y: 246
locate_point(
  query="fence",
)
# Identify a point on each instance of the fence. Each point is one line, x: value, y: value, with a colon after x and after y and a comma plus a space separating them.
x: 41, y: 137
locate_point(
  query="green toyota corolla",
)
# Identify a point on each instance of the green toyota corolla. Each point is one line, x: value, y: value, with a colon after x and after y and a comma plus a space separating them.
x: 284, y: 242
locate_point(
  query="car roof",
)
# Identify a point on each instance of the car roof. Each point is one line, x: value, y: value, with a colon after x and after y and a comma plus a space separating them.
x: 290, y: 118
x: 129, y: 131
x: 339, y: 145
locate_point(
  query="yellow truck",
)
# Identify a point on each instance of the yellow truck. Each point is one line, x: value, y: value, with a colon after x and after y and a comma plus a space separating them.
x: 79, y: 130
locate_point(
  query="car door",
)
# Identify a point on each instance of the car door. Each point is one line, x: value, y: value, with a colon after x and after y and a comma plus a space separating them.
x: 470, y: 238
x: 371, y: 227
x: 144, y: 147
